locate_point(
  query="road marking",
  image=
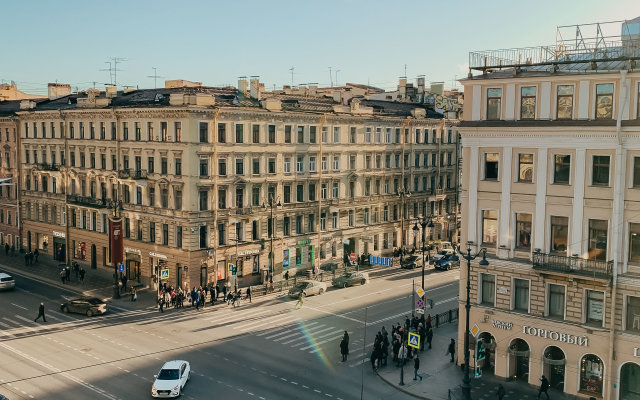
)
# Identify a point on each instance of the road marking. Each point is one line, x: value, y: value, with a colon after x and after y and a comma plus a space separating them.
x: 319, y: 337
x: 288, y: 330
x: 309, y: 333
x: 408, y: 312
x: 14, y: 304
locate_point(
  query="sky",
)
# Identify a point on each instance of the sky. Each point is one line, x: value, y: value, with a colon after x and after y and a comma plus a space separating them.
x: 215, y: 42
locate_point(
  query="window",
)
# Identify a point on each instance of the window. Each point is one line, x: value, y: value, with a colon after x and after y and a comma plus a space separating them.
x: 177, y: 199
x: 299, y: 225
x: 312, y: 192
x: 559, y: 234
x: 165, y: 234
x: 152, y: 232
x: 287, y: 133
x: 164, y: 165
x: 222, y: 166
x: 491, y: 164
x: 527, y: 103
x: 300, y: 134
x: 311, y: 223
x: 152, y: 196
x: 367, y: 135
x: 494, y: 103
x: 204, y: 200
x: 204, y: 132
x: 255, y: 133
x: 352, y: 161
x: 164, y: 198
x: 286, y: 226
x: 555, y: 307
x: 521, y: 295
x: 239, y: 133
x: 287, y: 165
x: 334, y: 220
x: 600, y: 171
x: 239, y: 166
x: 222, y: 133
x: 594, y: 307
x: 312, y: 164
x: 300, y: 164
x: 366, y: 216
x: 323, y: 221
x: 151, y: 136
x: 488, y: 289
x: 151, y: 165
x: 286, y: 191
x: 137, y: 131
x: 335, y: 190
x: 523, y: 231
x: 489, y: 227
x: 565, y: 102
x: 352, y: 218
x: 352, y: 134
x: 299, y: 193
x: 239, y: 197
x: 323, y: 191
x: 113, y: 131
x: 271, y: 133
x: 179, y: 237
x: 222, y: 238
x: 204, y: 167
x: 336, y: 163
x: 597, y: 239
x: 604, y: 101
x: 591, y: 375
x: 325, y: 134
x: 255, y: 166
x: 203, y: 237
x: 525, y: 168
x: 633, y: 314
x: 177, y: 127
x: 336, y: 134
x: 271, y: 165
x: 562, y: 169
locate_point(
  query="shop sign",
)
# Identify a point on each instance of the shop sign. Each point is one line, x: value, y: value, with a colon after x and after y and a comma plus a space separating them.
x: 248, y: 252
x: 59, y: 234
x: 306, y: 241
x: 157, y: 255
x: 502, y: 290
x: 130, y: 250
x: 502, y: 325
x: 553, y: 335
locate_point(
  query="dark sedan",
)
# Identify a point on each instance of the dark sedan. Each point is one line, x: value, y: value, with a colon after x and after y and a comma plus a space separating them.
x: 85, y: 305
x: 447, y: 262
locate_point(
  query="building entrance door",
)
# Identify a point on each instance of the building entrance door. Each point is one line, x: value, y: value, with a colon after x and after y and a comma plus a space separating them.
x: 203, y: 276
x: 629, y: 382
x: 489, y: 341
x: 554, y: 361
x: 94, y: 262
x: 519, y: 360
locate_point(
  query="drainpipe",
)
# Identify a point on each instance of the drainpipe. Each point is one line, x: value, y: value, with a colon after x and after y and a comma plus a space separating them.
x: 323, y: 121
x: 617, y: 227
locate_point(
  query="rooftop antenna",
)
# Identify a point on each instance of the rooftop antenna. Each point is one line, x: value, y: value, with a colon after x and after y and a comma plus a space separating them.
x: 292, y: 69
x: 405, y: 70
x: 330, y: 76
x: 337, y: 76
x: 113, y: 69
x: 155, y: 77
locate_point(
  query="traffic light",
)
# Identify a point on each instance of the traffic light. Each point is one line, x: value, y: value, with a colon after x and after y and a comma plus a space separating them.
x: 480, y: 356
x: 234, y: 270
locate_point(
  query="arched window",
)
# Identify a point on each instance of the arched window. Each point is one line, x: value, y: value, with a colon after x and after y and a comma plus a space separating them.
x: 630, y: 381
x: 591, y: 374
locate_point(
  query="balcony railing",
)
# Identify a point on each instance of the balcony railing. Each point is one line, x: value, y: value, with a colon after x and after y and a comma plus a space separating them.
x: 48, y: 167
x: 86, y: 201
x: 573, y: 265
x: 132, y: 174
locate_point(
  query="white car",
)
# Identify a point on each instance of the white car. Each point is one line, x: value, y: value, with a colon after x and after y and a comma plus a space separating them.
x: 171, y: 379
x: 6, y: 281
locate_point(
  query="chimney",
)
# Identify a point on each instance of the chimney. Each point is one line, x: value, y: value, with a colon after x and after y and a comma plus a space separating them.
x: 242, y: 85
x: 111, y: 91
x: 313, y: 89
x: 255, y: 87
x: 420, y: 84
x: 402, y: 87
x: 57, y: 90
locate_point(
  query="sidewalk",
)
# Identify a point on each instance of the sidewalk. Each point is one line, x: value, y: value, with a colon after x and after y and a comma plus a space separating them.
x: 441, y: 379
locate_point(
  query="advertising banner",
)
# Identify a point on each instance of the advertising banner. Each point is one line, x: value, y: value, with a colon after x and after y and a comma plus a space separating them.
x: 116, y: 240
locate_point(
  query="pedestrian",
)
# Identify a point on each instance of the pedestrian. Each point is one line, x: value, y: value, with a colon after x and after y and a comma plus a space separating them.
x: 286, y: 277
x: 26, y: 259
x: 229, y: 298
x: 132, y: 293
x: 416, y: 367
x: 41, y: 314
x: 423, y: 335
x: 544, y: 386
x: 13, y: 250
x: 36, y: 253
x: 196, y: 299
x: 346, y: 337
x: 452, y: 349
x: 300, y: 300
x: 161, y: 303
x: 6, y: 249
x: 82, y: 272
x: 224, y: 291
x: 67, y: 273
x: 402, y: 354
x: 63, y: 276
x: 238, y: 296
x: 214, y: 294
x: 500, y: 392
x: 429, y: 335
x: 344, y: 349
x: 124, y: 282
x: 249, y: 294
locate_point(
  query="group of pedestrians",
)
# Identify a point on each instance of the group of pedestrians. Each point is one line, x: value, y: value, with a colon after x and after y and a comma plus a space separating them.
x: 79, y: 272
x: 197, y: 297
x: 29, y: 256
x: 8, y: 249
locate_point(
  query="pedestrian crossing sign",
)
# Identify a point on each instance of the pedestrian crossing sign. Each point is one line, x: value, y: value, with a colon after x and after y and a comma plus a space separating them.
x: 164, y: 273
x: 414, y: 340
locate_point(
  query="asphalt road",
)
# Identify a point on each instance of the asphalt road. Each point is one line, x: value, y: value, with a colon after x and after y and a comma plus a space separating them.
x: 265, y: 350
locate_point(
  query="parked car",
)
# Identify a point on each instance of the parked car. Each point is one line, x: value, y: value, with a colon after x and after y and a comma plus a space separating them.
x: 440, y: 255
x: 85, y: 305
x: 171, y: 379
x: 350, y: 279
x: 411, y: 262
x: 6, y: 282
x: 308, y: 288
x: 447, y: 262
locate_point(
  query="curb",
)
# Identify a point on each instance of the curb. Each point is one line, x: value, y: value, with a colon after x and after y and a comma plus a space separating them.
x: 388, y: 382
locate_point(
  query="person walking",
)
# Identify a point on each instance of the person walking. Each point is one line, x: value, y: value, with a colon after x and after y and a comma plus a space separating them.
x: 429, y: 335
x: 452, y: 349
x: 500, y: 392
x: 41, y: 314
x: 544, y: 386
x: 63, y: 276
x: 300, y: 300
x: 161, y: 303
x: 344, y: 346
x: 82, y: 272
x: 214, y: 293
x: 249, y: 294
x: 36, y: 253
x: 26, y: 259
x: 6, y: 249
x: 132, y: 293
x: 416, y: 367
x: 224, y: 291
x: 124, y: 282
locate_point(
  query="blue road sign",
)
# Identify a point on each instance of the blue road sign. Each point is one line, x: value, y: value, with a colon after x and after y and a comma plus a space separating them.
x: 121, y: 267
x: 414, y: 340
x: 376, y: 260
x: 164, y: 273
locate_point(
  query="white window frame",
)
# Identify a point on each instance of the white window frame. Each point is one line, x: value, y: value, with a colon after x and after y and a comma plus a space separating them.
x: 495, y: 288
x: 312, y: 163
x: 590, y: 171
x: 513, y: 294
x: 484, y: 163
x: 547, y: 297
x: 585, y: 299
x: 287, y: 165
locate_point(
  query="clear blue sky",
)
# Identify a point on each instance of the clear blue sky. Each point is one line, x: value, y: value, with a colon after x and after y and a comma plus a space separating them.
x: 214, y: 42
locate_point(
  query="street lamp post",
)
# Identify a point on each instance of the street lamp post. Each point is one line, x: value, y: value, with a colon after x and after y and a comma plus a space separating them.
x: 466, y: 383
x: 271, y: 202
x: 404, y: 192
x: 425, y: 222
x: 116, y: 205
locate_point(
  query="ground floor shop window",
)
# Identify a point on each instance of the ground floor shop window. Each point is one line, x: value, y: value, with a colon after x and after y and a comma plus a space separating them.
x: 630, y: 382
x: 298, y: 255
x: 285, y: 259
x: 591, y: 374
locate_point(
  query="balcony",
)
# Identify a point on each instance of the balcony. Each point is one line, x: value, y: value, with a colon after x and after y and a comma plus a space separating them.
x: 573, y: 266
x: 132, y: 174
x: 86, y: 201
x: 48, y: 167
